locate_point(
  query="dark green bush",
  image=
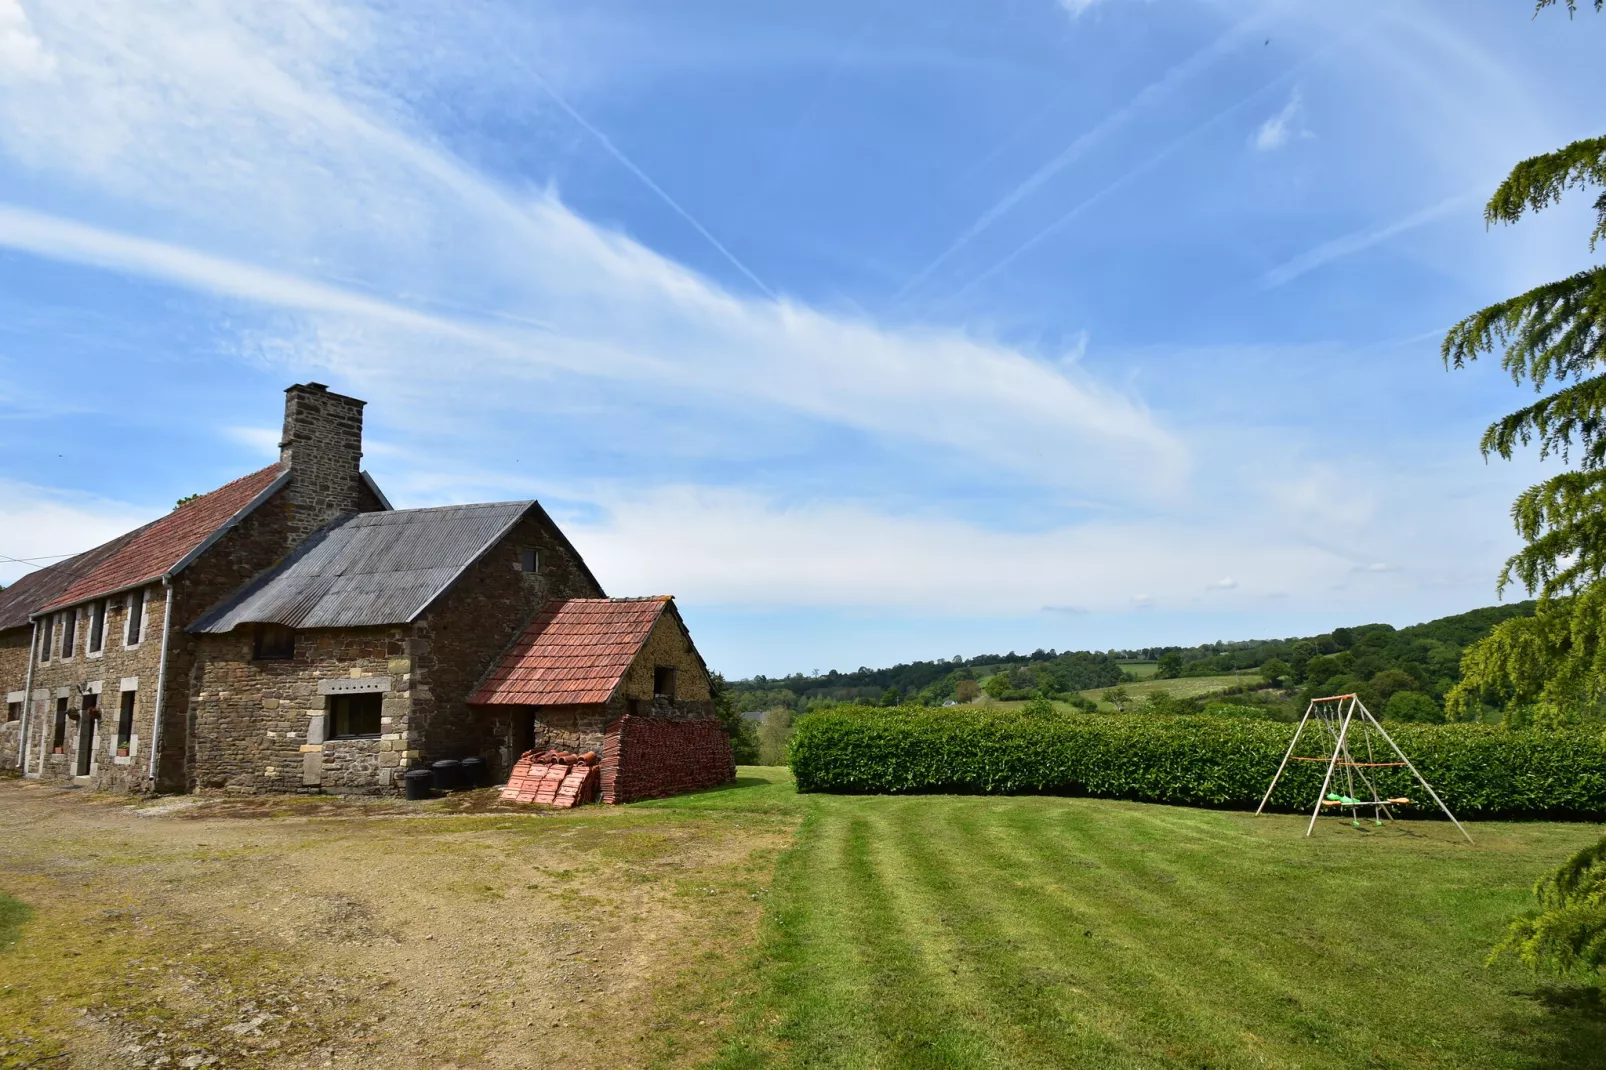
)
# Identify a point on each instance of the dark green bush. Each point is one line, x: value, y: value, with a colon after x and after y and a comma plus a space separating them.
x: 1479, y: 770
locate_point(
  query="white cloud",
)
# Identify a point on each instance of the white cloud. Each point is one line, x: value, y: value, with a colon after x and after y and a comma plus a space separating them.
x: 44, y: 523
x: 22, y: 54
x: 242, y: 124
x: 264, y: 440
x: 1226, y: 583
x: 1287, y: 123
x: 733, y: 547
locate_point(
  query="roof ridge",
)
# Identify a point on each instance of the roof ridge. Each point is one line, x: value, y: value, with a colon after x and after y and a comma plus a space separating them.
x: 391, y: 513
x: 166, y: 543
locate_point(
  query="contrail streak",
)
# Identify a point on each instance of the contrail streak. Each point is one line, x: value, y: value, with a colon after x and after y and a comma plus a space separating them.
x: 1145, y: 97
x: 629, y: 165
x: 1155, y: 160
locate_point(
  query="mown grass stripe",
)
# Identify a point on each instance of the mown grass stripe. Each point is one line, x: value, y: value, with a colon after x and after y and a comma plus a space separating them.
x: 930, y: 903
x: 1040, y: 1005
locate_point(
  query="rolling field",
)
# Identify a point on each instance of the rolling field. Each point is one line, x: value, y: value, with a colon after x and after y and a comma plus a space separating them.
x: 1183, y: 687
x: 1143, y: 670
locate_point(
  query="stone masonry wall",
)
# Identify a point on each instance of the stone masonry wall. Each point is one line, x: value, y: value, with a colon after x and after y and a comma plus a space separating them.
x: 118, y: 666
x: 263, y: 725
x: 467, y: 630
x: 669, y: 644
x: 14, y: 645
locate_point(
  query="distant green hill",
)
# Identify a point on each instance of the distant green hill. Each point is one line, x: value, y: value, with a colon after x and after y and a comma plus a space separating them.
x: 1424, y: 658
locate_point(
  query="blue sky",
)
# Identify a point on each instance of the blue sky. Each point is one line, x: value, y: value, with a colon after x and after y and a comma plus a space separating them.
x: 872, y: 331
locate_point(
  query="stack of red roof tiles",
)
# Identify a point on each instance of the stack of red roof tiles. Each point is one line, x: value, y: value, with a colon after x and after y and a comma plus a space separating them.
x: 547, y: 778
x: 651, y: 757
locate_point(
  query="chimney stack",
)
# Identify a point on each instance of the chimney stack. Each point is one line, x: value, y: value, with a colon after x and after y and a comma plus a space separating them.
x: 322, y: 448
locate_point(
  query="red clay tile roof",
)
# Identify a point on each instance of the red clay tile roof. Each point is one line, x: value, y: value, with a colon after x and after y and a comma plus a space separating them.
x: 148, y: 553
x: 574, y: 652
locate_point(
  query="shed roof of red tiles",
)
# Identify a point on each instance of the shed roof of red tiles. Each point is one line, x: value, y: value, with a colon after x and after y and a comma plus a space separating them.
x: 575, y: 652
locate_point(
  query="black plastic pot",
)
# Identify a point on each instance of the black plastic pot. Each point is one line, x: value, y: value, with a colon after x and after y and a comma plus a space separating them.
x: 448, y: 774
x: 415, y: 782
x: 472, y: 770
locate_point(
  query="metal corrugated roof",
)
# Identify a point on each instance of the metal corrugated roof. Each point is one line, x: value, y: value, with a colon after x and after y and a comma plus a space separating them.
x: 368, y: 569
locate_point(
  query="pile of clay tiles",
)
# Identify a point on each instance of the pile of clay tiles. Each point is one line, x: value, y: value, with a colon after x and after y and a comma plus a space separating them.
x: 554, y: 778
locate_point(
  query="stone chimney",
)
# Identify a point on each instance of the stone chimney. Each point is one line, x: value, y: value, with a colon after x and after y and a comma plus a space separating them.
x: 322, y: 447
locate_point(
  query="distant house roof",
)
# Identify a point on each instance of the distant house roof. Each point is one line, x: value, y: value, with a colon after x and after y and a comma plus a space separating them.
x: 369, y: 569
x: 44, y: 585
x: 574, y: 652
x: 166, y: 545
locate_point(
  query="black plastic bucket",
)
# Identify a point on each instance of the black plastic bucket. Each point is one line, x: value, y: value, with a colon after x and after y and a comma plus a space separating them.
x: 416, y: 783
x: 472, y: 771
x: 448, y: 774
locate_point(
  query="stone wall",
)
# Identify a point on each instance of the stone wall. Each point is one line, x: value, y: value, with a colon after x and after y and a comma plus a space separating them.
x: 264, y: 725
x: 256, y: 724
x: 14, y: 647
x: 471, y: 626
x: 116, y: 668
x: 669, y: 644
x: 652, y: 757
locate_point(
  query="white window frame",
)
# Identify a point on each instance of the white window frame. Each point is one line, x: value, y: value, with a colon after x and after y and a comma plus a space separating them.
x: 47, y: 625
x: 102, y: 607
x: 144, y: 596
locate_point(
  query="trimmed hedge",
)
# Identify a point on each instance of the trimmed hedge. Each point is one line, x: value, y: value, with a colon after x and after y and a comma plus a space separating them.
x: 1225, y: 762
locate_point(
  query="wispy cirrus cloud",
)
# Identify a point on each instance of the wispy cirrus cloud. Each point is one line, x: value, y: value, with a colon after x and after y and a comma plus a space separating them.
x: 200, y: 135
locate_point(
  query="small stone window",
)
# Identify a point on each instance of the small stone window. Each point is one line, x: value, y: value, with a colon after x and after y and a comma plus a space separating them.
x: 45, y: 630
x: 274, y: 642
x: 355, y: 716
x: 125, y: 723
x: 529, y: 561
x: 13, y: 711
x: 135, y: 629
x: 69, y: 632
x: 663, y: 681
x: 97, y: 627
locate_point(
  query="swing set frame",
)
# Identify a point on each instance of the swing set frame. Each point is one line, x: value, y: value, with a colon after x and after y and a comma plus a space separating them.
x: 1336, y: 714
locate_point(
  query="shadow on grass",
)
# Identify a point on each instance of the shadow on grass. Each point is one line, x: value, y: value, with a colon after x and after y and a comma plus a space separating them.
x: 14, y: 914
x: 1571, y: 1033
x: 767, y: 792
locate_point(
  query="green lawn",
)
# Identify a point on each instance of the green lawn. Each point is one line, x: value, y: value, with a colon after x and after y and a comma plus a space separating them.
x: 1141, y: 669
x: 947, y: 931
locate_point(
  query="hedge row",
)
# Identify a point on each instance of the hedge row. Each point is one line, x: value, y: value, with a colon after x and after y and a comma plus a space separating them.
x: 1479, y: 770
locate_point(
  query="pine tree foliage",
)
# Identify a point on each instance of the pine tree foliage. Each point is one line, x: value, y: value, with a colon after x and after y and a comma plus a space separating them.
x: 1553, y: 337
x: 1555, y: 334
x: 1568, y: 933
x: 1572, y: 5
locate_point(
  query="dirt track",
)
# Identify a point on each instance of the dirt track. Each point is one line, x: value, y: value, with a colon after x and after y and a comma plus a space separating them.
x: 296, y: 932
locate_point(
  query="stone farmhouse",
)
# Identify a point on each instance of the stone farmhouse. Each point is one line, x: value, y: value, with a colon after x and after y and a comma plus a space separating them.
x: 290, y: 631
